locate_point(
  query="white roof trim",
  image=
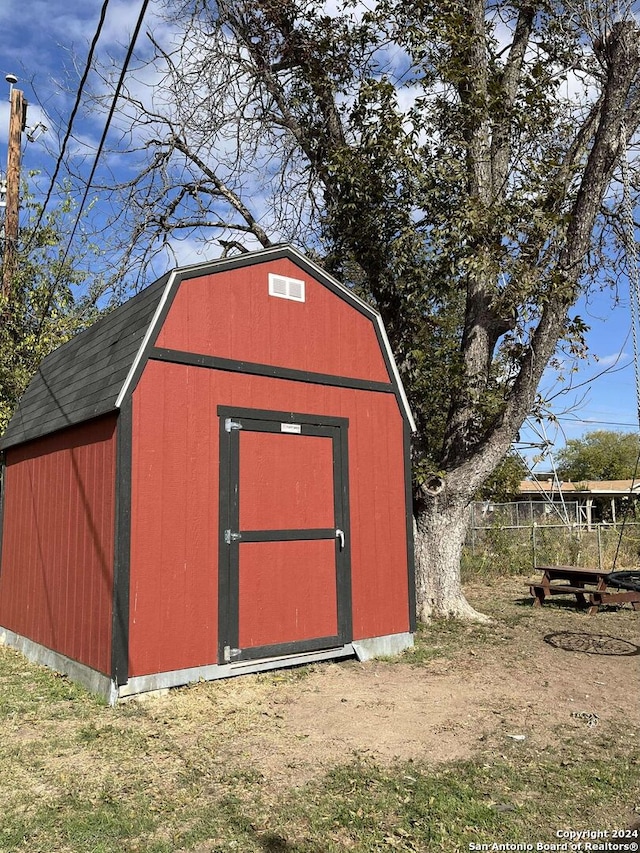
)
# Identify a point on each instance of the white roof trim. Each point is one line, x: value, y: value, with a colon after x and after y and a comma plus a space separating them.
x: 147, y: 337
x: 396, y: 373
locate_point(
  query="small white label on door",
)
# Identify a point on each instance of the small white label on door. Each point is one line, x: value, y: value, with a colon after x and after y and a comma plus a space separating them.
x: 296, y: 428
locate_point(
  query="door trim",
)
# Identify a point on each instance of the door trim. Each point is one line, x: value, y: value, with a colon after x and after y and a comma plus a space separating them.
x: 281, y: 417
x: 233, y: 420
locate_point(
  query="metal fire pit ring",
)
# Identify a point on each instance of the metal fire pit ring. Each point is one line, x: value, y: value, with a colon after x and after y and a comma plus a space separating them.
x: 625, y: 580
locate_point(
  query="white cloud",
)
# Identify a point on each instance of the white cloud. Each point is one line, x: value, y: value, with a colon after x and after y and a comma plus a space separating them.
x: 617, y: 358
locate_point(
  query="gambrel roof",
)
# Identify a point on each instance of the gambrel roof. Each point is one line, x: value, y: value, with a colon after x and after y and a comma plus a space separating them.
x: 90, y: 374
x: 82, y: 379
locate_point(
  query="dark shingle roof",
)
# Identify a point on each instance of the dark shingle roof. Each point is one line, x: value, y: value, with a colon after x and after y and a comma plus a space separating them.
x: 82, y: 379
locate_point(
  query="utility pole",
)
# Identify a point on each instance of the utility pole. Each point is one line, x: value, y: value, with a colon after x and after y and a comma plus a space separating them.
x: 17, y: 124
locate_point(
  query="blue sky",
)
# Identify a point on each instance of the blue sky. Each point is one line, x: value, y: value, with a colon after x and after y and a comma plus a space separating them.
x: 42, y: 41
x: 600, y: 394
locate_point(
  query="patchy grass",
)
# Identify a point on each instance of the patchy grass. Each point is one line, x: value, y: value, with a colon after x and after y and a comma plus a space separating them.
x: 447, y: 638
x: 491, y: 799
x: 172, y: 776
x: 119, y: 799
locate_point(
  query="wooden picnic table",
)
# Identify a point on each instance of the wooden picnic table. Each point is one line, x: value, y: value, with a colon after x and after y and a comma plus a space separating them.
x: 590, y: 586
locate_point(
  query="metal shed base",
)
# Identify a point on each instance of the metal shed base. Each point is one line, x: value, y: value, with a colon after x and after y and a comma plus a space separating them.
x: 101, y: 684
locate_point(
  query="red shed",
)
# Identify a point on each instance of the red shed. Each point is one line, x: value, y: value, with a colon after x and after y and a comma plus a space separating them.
x: 213, y: 479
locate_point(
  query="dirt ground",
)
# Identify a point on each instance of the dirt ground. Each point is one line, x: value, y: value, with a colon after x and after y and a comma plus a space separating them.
x: 525, y: 692
x: 533, y: 673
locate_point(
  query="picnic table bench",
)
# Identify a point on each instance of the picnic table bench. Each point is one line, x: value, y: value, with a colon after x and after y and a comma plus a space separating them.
x: 591, y: 587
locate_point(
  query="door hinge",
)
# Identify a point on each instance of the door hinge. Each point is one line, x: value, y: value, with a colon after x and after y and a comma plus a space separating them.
x: 230, y: 424
x: 230, y: 654
x: 230, y: 537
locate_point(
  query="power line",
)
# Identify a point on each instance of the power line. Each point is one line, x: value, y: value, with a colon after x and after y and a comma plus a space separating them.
x: 98, y: 154
x: 74, y: 112
x: 112, y: 110
x: 588, y: 421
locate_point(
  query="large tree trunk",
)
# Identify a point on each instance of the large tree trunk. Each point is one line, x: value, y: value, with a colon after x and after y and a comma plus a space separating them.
x: 440, y: 529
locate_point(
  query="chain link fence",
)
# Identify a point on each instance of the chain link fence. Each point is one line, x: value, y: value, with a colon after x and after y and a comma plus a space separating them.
x: 512, y: 538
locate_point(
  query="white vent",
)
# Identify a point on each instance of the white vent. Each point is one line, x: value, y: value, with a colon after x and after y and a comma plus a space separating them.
x: 286, y: 288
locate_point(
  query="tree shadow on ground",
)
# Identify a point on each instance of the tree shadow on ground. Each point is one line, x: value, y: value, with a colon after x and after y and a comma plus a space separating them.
x: 275, y: 843
x: 269, y: 841
x: 555, y: 603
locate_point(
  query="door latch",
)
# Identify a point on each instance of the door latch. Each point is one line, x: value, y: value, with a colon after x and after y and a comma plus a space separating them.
x: 230, y: 424
x: 340, y: 537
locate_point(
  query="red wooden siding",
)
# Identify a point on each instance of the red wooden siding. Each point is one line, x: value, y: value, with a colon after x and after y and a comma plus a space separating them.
x: 287, y: 592
x: 174, y: 548
x: 286, y: 482
x: 174, y: 524
x: 56, y: 582
x: 231, y: 315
